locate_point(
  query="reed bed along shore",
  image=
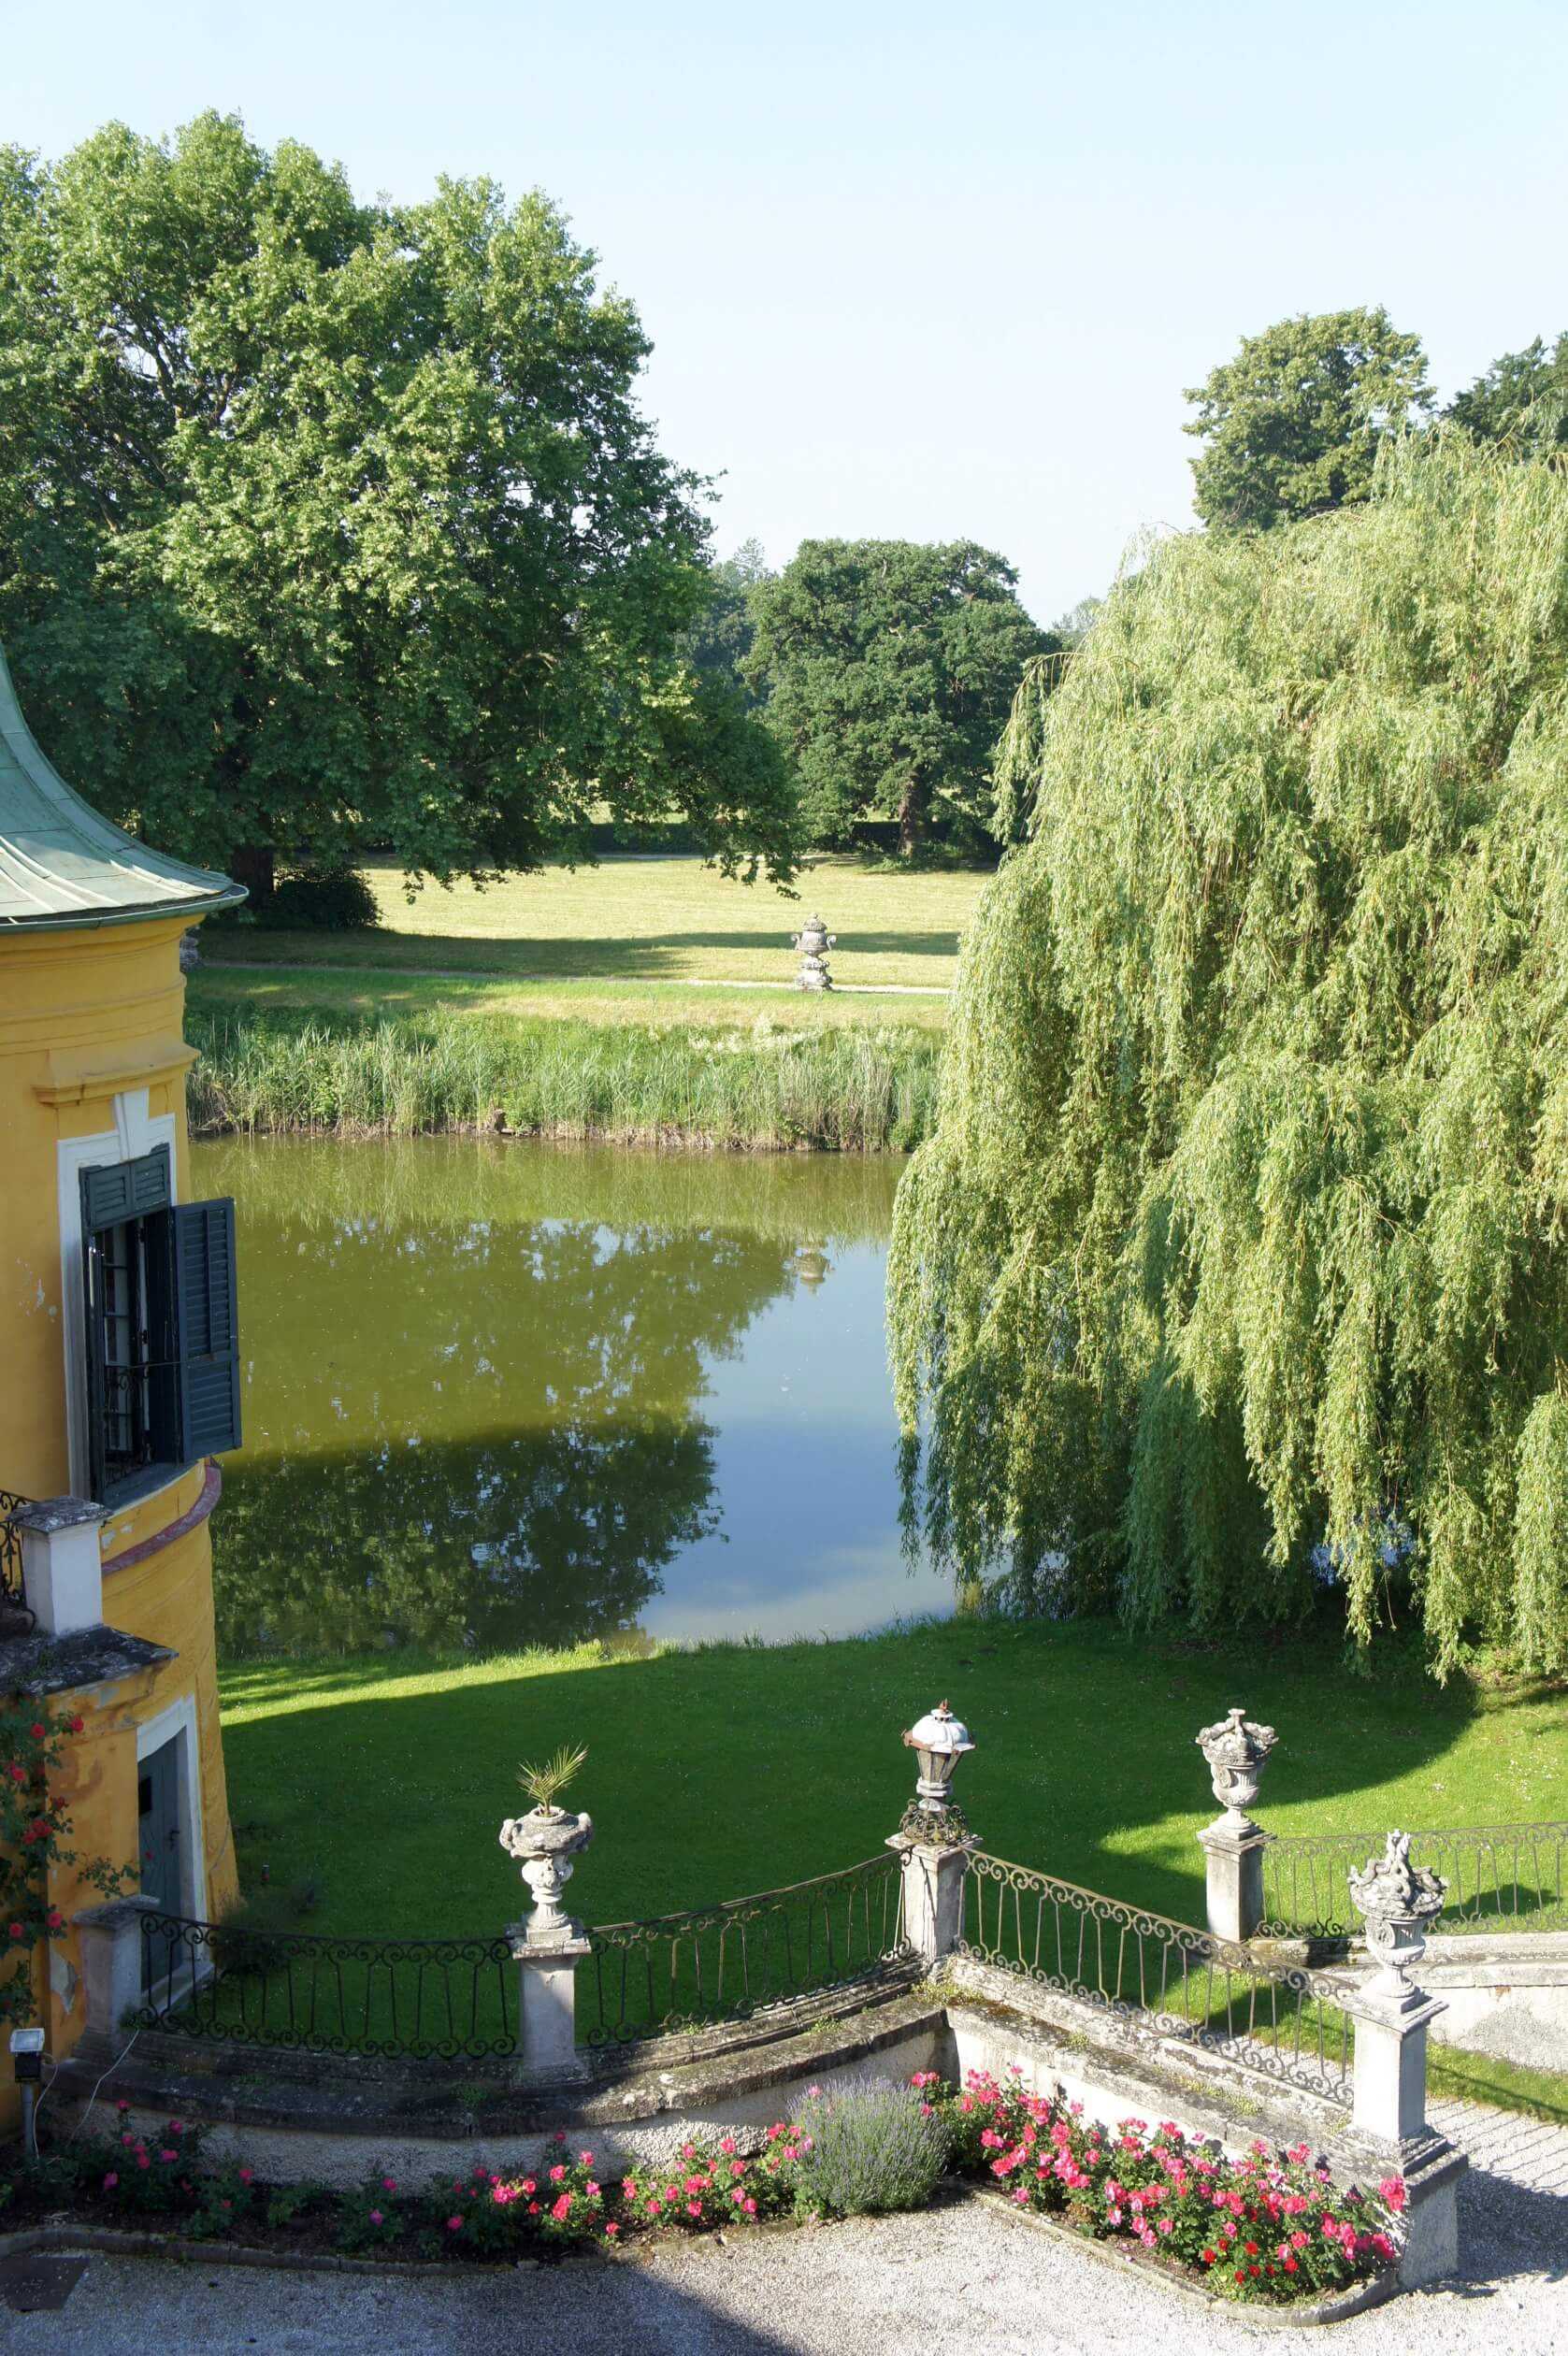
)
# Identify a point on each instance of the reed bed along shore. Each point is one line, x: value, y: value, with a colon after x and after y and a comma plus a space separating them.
x: 759, y: 1089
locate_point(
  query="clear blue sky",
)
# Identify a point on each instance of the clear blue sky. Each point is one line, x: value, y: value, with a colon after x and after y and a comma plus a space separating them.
x: 920, y: 270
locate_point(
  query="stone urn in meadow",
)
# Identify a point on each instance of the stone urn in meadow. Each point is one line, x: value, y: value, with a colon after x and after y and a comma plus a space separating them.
x: 814, y: 941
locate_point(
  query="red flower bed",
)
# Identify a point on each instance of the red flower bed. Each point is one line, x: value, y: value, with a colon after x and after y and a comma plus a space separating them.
x: 1271, y: 2225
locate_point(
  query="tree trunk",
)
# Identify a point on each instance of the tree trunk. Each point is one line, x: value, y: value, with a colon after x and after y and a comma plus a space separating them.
x: 252, y: 866
x: 914, y: 806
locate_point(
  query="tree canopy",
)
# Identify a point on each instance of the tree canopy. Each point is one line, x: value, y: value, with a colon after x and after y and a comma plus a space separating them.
x: 323, y: 523
x: 1293, y: 423
x: 1522, y: 400
x: 1238, y: 1261
x: 890, y: 669
x: 718, y: 641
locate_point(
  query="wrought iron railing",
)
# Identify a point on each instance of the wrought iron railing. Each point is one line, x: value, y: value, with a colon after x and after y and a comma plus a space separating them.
x: 12, y: 1591
x: 418, y: 1999
x: 716, y: 1963
x: 1159, y: 1979
x: 1500, y: 1877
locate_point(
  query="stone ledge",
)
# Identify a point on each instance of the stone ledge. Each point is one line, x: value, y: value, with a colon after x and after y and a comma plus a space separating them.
x: 43, y: 1664
x: 1209, y: 2094
x: 244, y: 2086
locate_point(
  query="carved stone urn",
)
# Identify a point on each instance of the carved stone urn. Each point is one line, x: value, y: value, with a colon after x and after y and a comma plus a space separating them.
x: 814, y: 941
x: 1237, y: 1751
x: 545, y: 1842
x: 1399, y: 1901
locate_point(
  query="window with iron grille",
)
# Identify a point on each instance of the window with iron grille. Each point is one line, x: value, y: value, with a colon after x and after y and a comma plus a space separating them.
x: 163, y: 1342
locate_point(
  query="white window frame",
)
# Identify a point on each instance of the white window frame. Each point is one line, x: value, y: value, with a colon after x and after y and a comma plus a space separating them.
x: 180, y: 1718
x: 136, y: 1132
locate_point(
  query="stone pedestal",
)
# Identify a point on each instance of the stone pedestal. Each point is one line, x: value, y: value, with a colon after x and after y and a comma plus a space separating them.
x: 111, y: 1960
x: 1233, y: 1877
x: 62, y: 1564
x: 933, y: 1893
x: 1389, y: 2123
x: 547, y: 1999
x: 1431, y: 2250
x: 1391, y: 2080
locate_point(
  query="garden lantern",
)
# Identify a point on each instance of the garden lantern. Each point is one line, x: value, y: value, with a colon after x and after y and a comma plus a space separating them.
x: 939, y: 1741
x: 27, y: 2060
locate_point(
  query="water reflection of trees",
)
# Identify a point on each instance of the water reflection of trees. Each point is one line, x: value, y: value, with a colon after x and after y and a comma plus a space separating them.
x: 546, y: 1538
x: 840, y: 1198
x: 465, y: 1424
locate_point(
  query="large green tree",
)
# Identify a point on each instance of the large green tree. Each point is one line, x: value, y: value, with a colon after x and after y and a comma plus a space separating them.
x: 1293, y: 423
x: 1239, y: 1257
x: 1522, y: 400
x: 890, y: 669
x: 323, y: 524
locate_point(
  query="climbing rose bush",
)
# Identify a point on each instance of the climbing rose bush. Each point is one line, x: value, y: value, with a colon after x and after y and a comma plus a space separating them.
x: 1271, y: 2225
x: 35, y: 1835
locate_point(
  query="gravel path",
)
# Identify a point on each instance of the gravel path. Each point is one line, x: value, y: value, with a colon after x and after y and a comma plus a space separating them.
x: 892, y: 2288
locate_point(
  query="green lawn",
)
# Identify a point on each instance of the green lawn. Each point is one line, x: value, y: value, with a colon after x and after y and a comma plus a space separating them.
x: 644, y: 921
x: 716, y: 1771
x: 320, y: 995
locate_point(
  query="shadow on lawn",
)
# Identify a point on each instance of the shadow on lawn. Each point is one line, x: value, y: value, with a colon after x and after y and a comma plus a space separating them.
x: 718, y: 1772
x: 654, y: 957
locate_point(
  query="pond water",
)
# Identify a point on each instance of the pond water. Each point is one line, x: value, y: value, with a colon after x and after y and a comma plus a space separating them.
x: 503, y: 1395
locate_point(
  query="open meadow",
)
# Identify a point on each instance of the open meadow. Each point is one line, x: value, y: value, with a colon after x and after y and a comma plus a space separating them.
x: 645, y: 920
x: 648, y: 1001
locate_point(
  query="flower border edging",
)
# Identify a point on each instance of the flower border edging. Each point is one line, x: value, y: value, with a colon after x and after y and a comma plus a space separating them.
x: 115, y: 2241
x: 1304, y: 2317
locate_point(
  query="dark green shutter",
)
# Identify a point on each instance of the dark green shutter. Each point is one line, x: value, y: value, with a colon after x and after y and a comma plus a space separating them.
x: 207, y: 1328
x: 125, y: 1190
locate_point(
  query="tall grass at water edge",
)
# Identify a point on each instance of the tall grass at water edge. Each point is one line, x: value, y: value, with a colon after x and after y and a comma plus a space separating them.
x: 843, y: 1090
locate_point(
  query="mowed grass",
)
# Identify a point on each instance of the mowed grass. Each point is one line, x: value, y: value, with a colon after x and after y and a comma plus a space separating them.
x: 316, y: 994
x: 644, y: 920
x: 720, y: 1770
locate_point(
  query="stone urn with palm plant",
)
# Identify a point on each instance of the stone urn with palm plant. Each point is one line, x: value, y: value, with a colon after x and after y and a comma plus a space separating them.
x: 547, y: 1841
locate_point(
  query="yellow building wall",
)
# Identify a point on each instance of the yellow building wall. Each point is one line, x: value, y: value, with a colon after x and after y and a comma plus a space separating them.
x: 85, y: 1017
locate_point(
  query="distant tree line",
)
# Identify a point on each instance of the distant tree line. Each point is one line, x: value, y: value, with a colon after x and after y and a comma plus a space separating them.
x: 326, y: 526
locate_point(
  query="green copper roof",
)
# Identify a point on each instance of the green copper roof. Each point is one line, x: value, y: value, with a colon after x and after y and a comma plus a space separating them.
x: 60, y: 865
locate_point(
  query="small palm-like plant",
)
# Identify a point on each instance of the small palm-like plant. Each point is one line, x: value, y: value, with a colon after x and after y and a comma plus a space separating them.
x: 546, y: 1780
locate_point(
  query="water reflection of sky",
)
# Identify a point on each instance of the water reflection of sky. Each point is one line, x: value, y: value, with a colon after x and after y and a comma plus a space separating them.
x: 499, y: 1397
x: 803, y: 1453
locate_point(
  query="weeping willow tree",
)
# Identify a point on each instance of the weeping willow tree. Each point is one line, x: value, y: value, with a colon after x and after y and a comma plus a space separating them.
x: 1240, y: 1254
